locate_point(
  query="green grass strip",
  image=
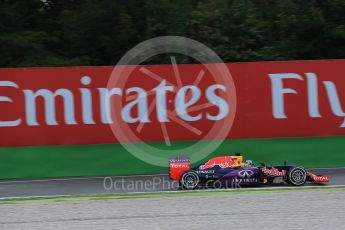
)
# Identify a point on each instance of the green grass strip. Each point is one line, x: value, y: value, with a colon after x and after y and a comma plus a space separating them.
x: 113, y: 159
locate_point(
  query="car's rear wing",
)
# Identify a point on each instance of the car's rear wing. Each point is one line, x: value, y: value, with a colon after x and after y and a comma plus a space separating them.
x: 178, y: 166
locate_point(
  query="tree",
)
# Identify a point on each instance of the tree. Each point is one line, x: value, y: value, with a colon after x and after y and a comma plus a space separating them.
x: 100, y: 32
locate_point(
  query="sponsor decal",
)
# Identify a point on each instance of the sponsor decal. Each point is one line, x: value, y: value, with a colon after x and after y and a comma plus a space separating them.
x: 245, y: 180
x: 313, y: 101
x: 316, y: 178
x: 212, y: 176
x: 273, y: 171
x: 245, y: 173
x: 180, y: 160
x: 69, y: 105
x: 222, y: 162
x: 320, y: 178
x: 49, y: 97
x: 205, y: 171
x: 180, y: 165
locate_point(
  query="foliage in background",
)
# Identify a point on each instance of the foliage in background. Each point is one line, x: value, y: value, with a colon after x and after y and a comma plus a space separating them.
x: 99, y: 32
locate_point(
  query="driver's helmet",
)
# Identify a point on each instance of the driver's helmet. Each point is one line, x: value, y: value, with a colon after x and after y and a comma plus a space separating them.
x: 248, y: 163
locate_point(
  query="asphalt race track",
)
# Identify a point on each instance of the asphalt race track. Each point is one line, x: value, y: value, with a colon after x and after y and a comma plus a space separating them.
x: 112, y: 184
x: 317, y: 210
x: 302, y: 209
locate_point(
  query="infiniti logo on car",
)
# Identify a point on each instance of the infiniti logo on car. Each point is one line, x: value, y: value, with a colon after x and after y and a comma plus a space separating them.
x: 245, y: 173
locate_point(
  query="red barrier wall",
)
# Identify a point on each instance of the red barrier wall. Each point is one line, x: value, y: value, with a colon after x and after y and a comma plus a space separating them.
x: 312, y: 92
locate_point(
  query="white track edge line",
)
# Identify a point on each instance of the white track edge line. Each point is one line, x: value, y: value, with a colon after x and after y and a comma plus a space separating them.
x: 174, y: 191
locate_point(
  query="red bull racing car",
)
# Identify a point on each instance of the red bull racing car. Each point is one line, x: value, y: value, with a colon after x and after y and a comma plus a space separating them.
x: 232, y: 170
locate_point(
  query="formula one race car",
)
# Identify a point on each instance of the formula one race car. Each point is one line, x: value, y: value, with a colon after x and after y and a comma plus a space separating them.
x: 231, y: 170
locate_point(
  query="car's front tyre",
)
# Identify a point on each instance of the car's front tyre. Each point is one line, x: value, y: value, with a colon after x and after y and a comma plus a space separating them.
x: 296, y: 176
x: 189, y: 180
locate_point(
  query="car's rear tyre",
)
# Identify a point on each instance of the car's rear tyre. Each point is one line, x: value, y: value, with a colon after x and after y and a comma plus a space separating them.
x: 296, y: 176
x: 189, y: 180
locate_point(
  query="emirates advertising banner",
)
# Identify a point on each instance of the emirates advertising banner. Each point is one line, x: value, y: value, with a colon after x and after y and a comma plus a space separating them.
x: 134, y: 104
